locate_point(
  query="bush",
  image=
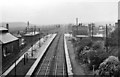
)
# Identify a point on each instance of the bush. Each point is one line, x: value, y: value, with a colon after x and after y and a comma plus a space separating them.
x: 97, y: 54
x: 91, y: 52
x: 111, y: 67
x: 81, y: 44
x: 96, y: 58
x: 113, y: 41
x: 98, y: 45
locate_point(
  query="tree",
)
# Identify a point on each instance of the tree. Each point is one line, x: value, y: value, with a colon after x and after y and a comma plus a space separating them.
x: 110, y: 66
x: 98, y: 45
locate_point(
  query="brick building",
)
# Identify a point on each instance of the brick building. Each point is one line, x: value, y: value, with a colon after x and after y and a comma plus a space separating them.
x: 9, y: 44
x: 31, y: 37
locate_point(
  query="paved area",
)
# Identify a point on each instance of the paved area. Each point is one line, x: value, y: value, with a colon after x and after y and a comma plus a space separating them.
x: 77, y: 69
x: 36, y: 49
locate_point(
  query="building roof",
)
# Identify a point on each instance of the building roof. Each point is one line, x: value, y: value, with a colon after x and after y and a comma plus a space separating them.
x: 98, y: 35
x: 7, y: 37
x: 17, y: 35
x: 2, y: 29
x: 31, y: 33
x: 82, y: 36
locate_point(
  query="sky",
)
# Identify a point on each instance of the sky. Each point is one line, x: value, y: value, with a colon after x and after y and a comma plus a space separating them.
x: 119, y: 10
x: 58, y: 11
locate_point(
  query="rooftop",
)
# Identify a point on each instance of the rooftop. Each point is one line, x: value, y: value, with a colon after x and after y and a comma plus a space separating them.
x: 82, y: 36
x: 17, y: 35
x: 7, y: 37
x: 31, y: 33
x: 2, y: 28
x: 97, y: 35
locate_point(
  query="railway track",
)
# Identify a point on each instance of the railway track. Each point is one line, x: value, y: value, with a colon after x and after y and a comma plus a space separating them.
x: 53, y: 62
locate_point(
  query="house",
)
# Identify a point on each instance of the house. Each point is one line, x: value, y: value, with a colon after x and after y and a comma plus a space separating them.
x: 9, y: 43
x: 80, y: 30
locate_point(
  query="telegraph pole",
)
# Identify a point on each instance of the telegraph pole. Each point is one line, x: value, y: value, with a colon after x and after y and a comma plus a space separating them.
x: 92, y: 25
x: 27, y: 27
x: 106, y: 38
x: 77, y: 24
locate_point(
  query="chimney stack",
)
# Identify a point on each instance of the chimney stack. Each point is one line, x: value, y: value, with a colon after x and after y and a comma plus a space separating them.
x: 28, y: 24
x: 7, y: 26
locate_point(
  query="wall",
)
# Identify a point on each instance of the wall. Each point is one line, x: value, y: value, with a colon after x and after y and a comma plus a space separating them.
x: 12, y: 48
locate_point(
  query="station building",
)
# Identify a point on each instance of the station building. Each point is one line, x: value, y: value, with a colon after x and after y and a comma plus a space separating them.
x: 31, y: 37
x: 9, y: 44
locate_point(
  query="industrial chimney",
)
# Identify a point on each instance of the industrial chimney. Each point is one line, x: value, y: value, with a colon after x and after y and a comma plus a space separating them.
x: 76, y: 21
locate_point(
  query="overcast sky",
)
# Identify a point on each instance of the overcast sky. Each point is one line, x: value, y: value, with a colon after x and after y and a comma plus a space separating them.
x: 58, y: 11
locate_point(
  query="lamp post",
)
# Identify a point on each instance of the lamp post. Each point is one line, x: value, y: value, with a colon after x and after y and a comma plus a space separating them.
x: 15, y: 69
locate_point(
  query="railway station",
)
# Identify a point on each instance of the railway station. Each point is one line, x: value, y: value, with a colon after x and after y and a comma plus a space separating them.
x: 60, y: 38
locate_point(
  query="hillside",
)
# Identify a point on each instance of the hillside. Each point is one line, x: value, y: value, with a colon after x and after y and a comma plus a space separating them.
x: 15, y: 26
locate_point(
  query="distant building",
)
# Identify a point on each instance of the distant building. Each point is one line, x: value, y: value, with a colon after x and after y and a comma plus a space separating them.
x: 31, y: 37
x: 80, y: 30
x: 21, y: 39
x: 8, y: 43
x: 86, y: 31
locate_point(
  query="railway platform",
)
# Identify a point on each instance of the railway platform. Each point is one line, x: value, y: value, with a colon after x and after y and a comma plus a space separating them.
x: 36, y: 53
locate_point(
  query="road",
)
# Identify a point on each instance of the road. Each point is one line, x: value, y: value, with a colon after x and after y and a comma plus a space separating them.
x: 53, y: 62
